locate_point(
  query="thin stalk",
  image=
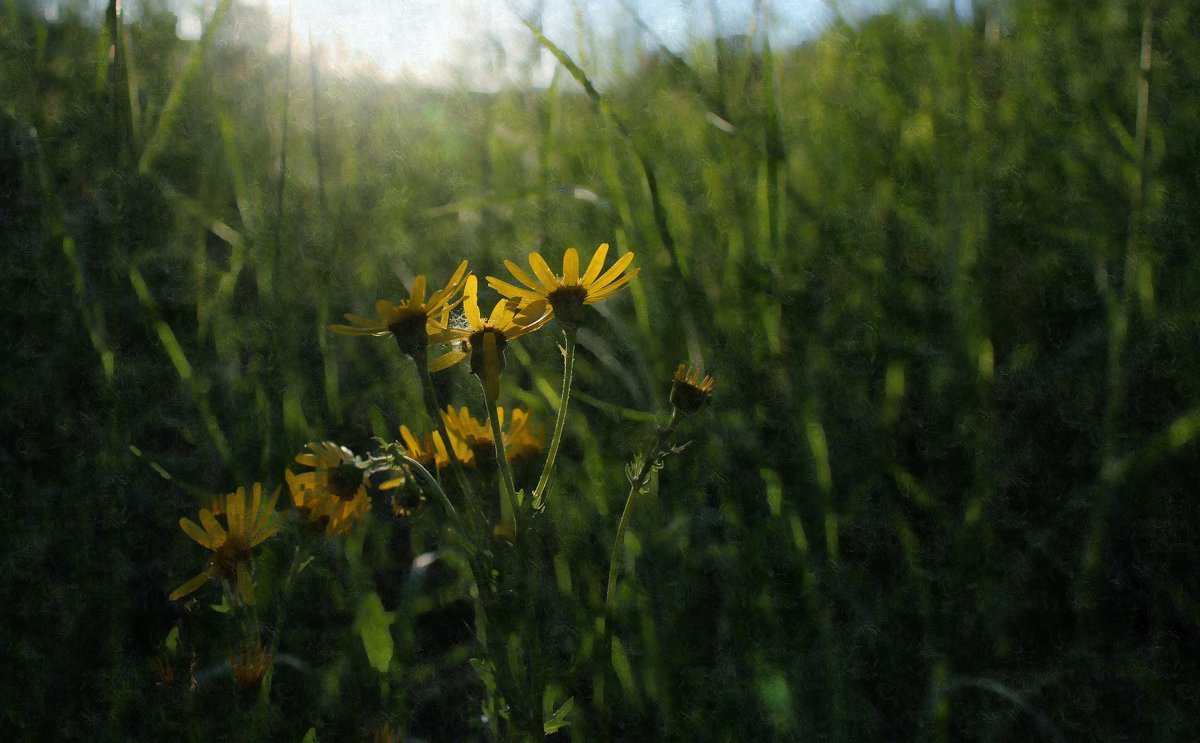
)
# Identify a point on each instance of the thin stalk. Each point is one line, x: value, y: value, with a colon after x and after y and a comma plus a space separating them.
x: 298, y: 557
x: 432, y: 407
x: 432, y: 482
x: 618, y: 548
x: 508, y: 500
x: 539, y: 493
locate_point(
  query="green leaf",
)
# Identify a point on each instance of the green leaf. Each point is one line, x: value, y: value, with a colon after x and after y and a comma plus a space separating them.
x: 373, y: 625
x: 310, y: 736
x: 172, y: 640
x: 558, y: 719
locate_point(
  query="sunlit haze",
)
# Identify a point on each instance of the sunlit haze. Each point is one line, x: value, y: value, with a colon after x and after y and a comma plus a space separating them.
x: 483, y: 43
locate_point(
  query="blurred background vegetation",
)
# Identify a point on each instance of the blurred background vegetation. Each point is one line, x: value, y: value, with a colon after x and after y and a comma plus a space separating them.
x: 943, y: 266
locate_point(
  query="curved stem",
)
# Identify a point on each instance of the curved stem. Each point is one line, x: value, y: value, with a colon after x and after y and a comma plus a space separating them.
x: 432, y: 482
x: 433, y: 408
x: 618, y: 548
x: 508, y: 500
x: 539, y: 493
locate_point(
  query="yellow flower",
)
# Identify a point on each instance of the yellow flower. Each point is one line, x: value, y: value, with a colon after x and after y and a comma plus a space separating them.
x: 568, y: 293
x: 483, y: 339
x: 689, y: 389
x: 247, y: 526
x: 413, y: 319
x: 520, y: 439
x: 250, y: 663
x: 429, y: 452
x: 335, y: 491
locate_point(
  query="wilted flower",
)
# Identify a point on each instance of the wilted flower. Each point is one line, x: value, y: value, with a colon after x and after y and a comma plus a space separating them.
x: 250, y: 663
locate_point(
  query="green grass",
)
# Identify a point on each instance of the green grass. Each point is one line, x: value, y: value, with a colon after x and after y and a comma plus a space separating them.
x: 944, y: 271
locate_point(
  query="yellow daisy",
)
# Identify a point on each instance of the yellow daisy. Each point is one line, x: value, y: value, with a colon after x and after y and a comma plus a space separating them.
x: 335, y: 490
x: 483, y: 339
x: 520, y: 438
x: 565, y: 294
x: 429, y: 451
x: 413, y: 319
x: 246, y: 526
x: 689, y: 389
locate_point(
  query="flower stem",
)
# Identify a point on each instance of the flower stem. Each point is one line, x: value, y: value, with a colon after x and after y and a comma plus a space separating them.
x: 539, y: 493
x: 508, y: 498
x: 432, y: 482
x: 433, y: 408
x: 618, y: 548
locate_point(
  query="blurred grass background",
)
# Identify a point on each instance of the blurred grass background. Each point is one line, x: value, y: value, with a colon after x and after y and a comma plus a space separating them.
x: 942, y: 266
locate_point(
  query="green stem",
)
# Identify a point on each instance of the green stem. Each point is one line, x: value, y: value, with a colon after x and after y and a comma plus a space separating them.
x: 432, y: 482
x: 298, y: 556
x: 433, y: 408
x: 539, y: 493
x: 610, y: 595
x: 508, y: 500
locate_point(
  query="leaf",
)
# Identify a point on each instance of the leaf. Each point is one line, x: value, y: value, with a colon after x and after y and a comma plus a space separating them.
x: 310, y: 736
x: 558, y: 719
x: 373, y: 625
x: 172, y: 640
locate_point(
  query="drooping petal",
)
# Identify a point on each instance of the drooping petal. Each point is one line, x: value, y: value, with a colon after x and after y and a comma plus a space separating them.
x: 595, y: 265
x: 410, y: 439
x: 447, y: 335
x: 384, y: 308
x: 193, y: 584
x: 446, y: 360
x: 360, y: 320
x: 471, y: 302
x: 543, y: 272
x: 571, y: 267
x: 349, y: 330
x: 245, y: 584
x: 532, y: 312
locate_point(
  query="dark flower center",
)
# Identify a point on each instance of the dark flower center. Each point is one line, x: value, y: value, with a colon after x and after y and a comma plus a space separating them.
x: 345, y: 480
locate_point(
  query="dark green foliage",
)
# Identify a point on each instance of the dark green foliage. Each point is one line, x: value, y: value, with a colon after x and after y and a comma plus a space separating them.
x: 946, y: 281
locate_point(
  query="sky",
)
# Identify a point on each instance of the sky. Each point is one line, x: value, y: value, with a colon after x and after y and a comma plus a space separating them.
x: 482, y: 42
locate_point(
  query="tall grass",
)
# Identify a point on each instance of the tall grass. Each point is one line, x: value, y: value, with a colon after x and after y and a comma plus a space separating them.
x: 942, y: 267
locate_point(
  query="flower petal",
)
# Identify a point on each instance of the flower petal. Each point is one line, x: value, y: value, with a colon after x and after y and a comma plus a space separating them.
x: 571, y: 267
x: 471, y: 302
x: 595, y: 265
x: 523, y: 277
x: 212, y: 526
x: 192, y: 585
x: 613, y: 272
x: 543, y: 272
x: 416, y: 296
x: 611, y: 289
x: 511, y: 290
x: 193, y: 530
x: 447, y: 360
